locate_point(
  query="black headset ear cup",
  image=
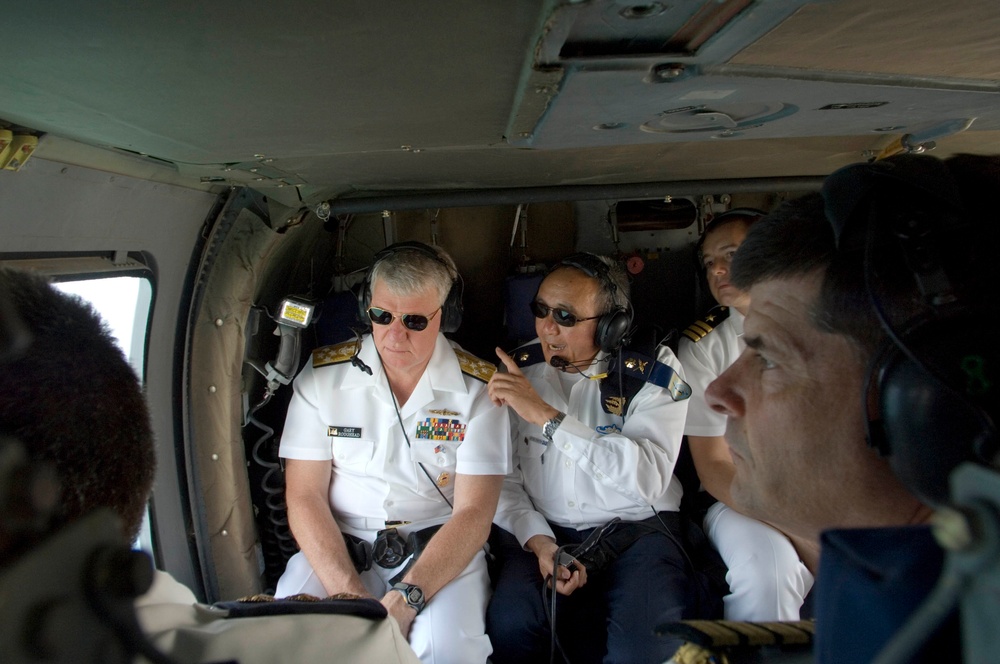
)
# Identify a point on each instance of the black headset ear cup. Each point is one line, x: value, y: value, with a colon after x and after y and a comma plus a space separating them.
x: 927, y: 412
x: 613, y: 326
x: 611, y: 329
x: 451, y: 310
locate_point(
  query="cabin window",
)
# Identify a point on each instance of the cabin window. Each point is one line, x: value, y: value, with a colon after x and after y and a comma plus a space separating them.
x: 124, y: 302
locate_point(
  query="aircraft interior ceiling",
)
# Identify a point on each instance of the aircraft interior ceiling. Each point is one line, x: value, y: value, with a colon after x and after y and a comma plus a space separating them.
x: 312, y: 101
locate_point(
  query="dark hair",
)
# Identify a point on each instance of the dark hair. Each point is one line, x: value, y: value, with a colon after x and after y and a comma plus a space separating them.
x: 71, y: 399
x: 797, y: 238
x: 794, y: 239
x: 610, y: 274
x: 745, y: 216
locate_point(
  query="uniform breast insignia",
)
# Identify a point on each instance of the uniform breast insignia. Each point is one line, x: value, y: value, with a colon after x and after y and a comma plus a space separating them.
x: 699, y: 329
x: 440, y: 428
x: 334, y: 354
x: 443, y: 479
x: 615, y: 405
x: 473, y: 366
x: 443, y: 411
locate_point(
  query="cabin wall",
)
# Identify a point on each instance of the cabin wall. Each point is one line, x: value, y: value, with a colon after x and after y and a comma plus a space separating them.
x: 49, y: 207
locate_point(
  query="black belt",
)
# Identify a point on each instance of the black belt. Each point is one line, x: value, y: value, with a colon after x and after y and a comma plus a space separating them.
x: 390, y: 549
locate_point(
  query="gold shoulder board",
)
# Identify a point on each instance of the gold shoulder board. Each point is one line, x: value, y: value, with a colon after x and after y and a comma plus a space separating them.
x: 334, y: 354
x: 699, y: 329
x: 473, y: 366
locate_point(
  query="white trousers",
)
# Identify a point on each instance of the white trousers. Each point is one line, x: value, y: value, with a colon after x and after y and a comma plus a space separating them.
x: 767, y: 581
x: 452, y: 627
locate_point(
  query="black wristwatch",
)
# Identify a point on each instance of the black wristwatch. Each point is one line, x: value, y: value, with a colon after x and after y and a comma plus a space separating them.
x: 549, y: 429
x: 413, y: 594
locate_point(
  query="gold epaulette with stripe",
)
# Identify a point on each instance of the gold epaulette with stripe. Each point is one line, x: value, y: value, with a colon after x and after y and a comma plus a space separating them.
x: 717, y: 637
x: 473, y: 366
x: 334, y: 354
x: 699, y: 329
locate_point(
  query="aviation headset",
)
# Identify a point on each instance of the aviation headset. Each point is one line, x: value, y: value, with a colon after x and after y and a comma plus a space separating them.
x: 748, y: 213
x: 613, y: 326
x: 935, y: 374
x: 451, y: 309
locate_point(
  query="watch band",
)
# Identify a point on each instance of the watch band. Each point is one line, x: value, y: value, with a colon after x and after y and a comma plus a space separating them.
x: 549, y: 429
x: 413, y: 595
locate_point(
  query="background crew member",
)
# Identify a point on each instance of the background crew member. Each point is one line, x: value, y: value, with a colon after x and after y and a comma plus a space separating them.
x: 404, y: 418
x: 582, y: 466
x: 767, y: 581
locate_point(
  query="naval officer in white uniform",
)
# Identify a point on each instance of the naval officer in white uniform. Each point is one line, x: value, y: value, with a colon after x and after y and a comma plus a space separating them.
x: 767, y: 581
x: 587, y: 455
x: 387, y: 437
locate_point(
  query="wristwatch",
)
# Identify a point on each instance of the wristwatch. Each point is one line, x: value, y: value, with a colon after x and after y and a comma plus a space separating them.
x: 549, y: 429
x: 413, y: 594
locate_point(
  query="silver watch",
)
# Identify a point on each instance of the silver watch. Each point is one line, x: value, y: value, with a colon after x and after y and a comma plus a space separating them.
x: 549, y: 428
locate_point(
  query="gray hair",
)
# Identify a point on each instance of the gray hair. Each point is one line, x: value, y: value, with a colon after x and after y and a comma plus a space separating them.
x: 409, y: 271
x: 610, y: 275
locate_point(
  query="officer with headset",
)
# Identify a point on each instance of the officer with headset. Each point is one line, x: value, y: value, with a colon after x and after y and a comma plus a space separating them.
x: 593, y: 456
x: 766, y: 579
x: 870, y: 375
x: 395, y: 461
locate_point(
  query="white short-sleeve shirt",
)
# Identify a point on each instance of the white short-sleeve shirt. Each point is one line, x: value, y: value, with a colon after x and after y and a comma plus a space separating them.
x: 340, y: 414
x: 704, y: 361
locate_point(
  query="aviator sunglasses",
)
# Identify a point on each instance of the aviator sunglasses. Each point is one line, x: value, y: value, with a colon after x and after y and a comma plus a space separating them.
x: 415, y: 322
x: 562, y: 317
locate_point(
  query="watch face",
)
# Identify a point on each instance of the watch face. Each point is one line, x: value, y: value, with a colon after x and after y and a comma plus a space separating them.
x: 415, y: 595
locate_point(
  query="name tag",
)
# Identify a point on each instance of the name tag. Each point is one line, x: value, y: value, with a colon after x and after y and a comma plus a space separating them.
x: 344, y: 432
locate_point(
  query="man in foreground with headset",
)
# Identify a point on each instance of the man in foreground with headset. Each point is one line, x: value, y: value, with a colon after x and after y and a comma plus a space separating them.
x: 870, y: 313
x: 587, y: 455
x: 418, y: 456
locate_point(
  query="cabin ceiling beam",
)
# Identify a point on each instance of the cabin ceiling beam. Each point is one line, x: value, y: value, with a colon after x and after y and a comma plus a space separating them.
x: 561, y: 193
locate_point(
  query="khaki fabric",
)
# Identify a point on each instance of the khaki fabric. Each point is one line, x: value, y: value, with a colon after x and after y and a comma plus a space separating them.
x: 191, y: 632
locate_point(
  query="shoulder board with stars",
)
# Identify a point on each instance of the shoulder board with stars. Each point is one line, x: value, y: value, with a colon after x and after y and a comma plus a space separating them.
x: 699, y: 329
x: 649, y: 370
x: 334, y: 354
x: 525, y: 356
x: 473, y: 366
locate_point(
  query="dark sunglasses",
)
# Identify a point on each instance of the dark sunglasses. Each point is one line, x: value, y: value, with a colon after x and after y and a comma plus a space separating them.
x: 560, y: 316
x: 415, y: 322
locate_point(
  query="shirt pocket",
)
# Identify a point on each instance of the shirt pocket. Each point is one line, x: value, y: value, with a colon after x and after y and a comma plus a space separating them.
x: 352, y: 453
x: 435, y: 453
x: 528, y: 455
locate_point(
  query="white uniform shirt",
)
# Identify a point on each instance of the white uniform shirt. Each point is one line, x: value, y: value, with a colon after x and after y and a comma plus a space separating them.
x: 703, y: 362
x: 595, y: 468
x: 340, y: 413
